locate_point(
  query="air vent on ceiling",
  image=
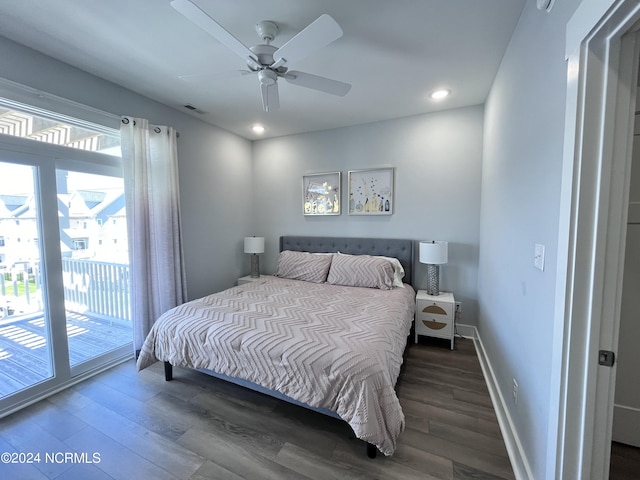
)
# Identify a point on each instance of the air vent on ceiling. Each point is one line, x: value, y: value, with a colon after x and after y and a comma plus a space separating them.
x: 195, y: 109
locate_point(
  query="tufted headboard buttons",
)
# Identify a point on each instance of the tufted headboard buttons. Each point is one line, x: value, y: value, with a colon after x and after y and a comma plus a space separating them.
x: 401, y: 249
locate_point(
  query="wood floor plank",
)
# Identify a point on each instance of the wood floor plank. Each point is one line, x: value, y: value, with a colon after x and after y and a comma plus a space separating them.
x: 210, y: 470
x: 485, y: 462
x: 422, y: 393
x: 232, y: 424
x: 160, y: 451
x: 625, y: 462
x: 475, y: 440
x: 391, y: 468
x: 56, y: 420
x: 84, y: 472
x: 237, y: 457
x: 443, y: 375
x: 25, y: 436
x: 477, y: 398
x: 116, y: 460
x: 306, y: 462
x: 166, y: 423
x: 22, y: 471
x: 287, y: 429
x: 426, y: 412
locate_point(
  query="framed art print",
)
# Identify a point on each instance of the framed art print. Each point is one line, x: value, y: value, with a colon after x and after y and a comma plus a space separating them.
x: 371, y: 192
x: 321, y: 194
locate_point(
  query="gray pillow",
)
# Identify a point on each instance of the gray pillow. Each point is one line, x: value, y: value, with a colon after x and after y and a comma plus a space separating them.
x: 361, y: 271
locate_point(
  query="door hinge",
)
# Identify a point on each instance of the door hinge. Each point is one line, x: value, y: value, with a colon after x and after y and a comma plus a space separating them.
x: 606, y: 358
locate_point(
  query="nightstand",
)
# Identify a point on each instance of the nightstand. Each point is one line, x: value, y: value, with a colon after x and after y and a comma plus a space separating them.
x: 249, y: 278
x: 435, y: 315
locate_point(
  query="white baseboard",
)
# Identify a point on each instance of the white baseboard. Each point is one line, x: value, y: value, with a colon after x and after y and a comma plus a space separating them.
x: 519, y: 462
x: 466, y: 331
x: 626, y: 425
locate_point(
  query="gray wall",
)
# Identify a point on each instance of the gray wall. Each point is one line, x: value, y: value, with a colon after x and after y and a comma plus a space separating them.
x: 437, y: 160
x: 522, y: 162
x: 626, y: 417
x: 214, y: 165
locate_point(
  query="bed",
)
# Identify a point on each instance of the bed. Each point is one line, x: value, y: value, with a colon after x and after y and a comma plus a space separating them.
x: 328, y: 332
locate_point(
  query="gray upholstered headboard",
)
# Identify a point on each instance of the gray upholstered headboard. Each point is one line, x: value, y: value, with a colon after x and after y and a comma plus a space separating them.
x: 388, y: 247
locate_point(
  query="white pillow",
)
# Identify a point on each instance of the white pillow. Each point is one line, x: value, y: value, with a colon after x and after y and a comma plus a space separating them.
x: 398, y: 271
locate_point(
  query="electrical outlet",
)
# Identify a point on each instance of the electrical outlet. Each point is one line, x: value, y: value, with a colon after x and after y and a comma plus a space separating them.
x: 458, y: 315
x: 515, y: 391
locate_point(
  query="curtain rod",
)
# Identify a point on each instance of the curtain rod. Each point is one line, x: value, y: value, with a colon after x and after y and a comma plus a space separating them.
x: 156, y: 129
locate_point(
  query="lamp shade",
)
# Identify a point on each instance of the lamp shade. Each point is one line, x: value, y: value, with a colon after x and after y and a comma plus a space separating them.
x: 253, y: 244
x: 433, y: 252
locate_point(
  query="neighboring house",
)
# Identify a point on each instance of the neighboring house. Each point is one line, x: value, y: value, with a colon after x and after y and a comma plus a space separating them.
x: 8, y: 204
x: 92, y: 226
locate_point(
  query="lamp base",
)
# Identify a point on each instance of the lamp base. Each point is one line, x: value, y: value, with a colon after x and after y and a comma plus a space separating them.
x: 255, y: 266
x: 433, y: 279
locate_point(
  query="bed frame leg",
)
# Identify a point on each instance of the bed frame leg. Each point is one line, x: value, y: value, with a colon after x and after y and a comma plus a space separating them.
x: 372, y: 450
x: 168, y: 371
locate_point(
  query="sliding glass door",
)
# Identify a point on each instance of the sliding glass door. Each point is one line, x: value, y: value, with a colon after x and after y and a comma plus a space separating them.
x: 64, y: 270
x: 25, y: 346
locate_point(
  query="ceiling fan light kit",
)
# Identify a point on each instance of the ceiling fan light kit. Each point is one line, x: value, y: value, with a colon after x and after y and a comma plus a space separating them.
x: 269, y: 62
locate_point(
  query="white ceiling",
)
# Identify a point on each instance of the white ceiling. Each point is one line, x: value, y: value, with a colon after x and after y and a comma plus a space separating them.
x: 394, y: 53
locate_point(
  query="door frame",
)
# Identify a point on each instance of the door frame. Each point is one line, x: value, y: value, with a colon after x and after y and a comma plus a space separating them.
x: 602, y: 54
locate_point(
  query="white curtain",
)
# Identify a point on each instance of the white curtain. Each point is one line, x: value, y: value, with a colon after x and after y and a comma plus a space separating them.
x: 149, y: 156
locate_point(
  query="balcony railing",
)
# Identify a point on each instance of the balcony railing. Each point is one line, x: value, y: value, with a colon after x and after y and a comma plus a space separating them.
x: 97, y: 288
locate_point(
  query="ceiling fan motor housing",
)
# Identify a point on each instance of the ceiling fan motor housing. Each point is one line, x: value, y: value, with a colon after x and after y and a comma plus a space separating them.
x: 264, y: 53
x: 265, y: 58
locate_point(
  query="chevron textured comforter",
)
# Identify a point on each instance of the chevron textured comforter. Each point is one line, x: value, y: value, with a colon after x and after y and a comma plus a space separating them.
x: 325, y: 345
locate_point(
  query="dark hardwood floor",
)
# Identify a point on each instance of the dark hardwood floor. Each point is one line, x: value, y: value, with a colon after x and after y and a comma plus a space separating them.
x: 123, y: 424
x: 625, y: 462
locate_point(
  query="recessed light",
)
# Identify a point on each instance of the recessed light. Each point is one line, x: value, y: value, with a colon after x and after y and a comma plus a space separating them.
x: 439, y: 94
x: 258, y: 129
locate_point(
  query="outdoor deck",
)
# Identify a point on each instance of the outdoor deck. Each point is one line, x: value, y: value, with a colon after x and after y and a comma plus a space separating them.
x: 24, y: 356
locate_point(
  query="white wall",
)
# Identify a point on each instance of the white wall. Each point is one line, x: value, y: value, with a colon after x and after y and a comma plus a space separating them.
x: 522, y: 161
x: 437, y: 160
x: 214, y: 165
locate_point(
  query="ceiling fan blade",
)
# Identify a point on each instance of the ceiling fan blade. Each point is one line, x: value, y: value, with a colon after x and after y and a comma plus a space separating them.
x: 317, y: 34
x: 270, y: 97
x: 197, y: 16
x: 334, y: 87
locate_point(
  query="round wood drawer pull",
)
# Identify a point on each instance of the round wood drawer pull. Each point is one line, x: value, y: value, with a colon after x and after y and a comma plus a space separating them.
x: 433, y: 325
x: 434, y: 309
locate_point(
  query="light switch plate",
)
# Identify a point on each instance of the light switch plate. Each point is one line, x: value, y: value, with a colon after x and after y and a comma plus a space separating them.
x: 538, y: 258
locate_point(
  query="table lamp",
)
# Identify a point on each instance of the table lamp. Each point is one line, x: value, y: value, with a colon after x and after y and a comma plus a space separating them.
x: 433, y: 254
x: 254, y: 246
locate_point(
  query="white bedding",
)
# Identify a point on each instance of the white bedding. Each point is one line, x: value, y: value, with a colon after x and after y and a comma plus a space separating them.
x: 328, y: 346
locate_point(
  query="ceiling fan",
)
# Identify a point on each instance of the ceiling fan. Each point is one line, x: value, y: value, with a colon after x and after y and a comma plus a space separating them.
x: 269, y: 63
